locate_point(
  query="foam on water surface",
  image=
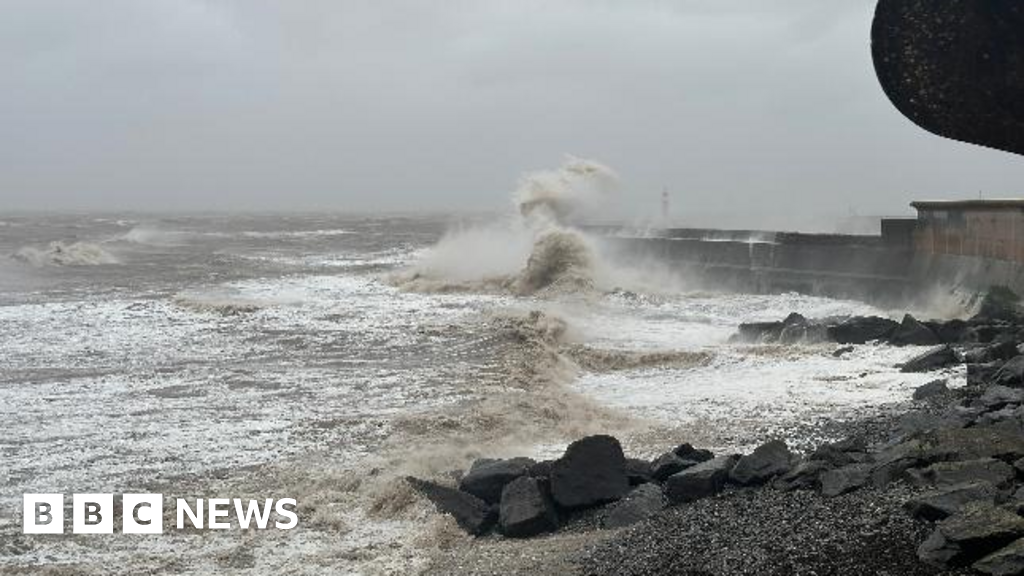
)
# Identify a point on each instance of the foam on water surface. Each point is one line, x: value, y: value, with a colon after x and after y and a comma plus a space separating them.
x: 279, y: 356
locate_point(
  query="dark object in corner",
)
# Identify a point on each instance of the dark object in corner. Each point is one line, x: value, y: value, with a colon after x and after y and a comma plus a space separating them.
x: 955, y: 67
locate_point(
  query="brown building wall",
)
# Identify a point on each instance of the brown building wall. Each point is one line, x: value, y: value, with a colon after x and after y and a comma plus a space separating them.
x: 996, y: 233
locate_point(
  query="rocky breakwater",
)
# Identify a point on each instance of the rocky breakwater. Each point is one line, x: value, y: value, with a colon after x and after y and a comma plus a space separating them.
x: 520, y: 497
x: 964, y: 449
x: 955, y: 462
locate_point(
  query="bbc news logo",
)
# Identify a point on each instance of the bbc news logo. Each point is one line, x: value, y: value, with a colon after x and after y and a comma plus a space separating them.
x: 143, y: 513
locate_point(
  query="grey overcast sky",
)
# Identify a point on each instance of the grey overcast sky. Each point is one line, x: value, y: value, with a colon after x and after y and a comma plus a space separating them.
x: 767, y: 108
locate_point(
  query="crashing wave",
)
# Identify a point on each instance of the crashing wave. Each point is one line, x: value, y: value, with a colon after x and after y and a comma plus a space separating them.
x: 64, y: 254
x: 598, y: 360
x: 561, y: 261
x: 537, y: 253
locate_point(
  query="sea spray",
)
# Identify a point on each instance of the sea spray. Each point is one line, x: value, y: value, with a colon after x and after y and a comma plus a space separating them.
x: 578, y: 190
x: 149, y: 235
x: 537, y: 249
x: 65, y: 254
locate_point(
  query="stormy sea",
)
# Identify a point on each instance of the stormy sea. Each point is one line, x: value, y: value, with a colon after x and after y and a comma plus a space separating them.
x: 325, y: 357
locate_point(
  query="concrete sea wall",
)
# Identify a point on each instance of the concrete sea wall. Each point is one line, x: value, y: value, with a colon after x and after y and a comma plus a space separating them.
x: 884, y: 270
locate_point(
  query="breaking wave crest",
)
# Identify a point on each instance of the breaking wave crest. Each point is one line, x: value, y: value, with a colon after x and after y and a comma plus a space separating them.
x: 528, y: 400
x: 561, y: 261
x: 537, y: 252
x: 597, y: 360
x: 153, y: 235
x: 65, y: 254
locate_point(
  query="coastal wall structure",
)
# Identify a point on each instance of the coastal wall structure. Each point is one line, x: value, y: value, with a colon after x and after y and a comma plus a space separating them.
x: 893, y: 268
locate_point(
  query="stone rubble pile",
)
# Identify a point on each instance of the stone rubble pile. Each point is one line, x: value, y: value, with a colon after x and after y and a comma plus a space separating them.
x: 965, y: 452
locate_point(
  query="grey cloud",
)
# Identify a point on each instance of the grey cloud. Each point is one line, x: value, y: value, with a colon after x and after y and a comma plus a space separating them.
x: 749, y: 111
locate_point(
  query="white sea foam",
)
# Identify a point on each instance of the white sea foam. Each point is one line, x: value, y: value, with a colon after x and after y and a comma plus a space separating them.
x: 65, y: 254
x: 153, y: 235
x: 327, y: 384
x: 294, y: 233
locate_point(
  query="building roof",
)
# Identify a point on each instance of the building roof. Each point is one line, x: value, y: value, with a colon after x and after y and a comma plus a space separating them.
x: 981, y: 204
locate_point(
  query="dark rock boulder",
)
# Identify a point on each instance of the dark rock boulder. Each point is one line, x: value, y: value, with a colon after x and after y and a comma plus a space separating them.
x: 839, y: 352
x: 700, y: 481
x: 912, y: 424
x: 845, y: 479
x: 541, y: 469
x: 910, y: 332
x: 526, y: 509
x: 981, y: 333
x: 471, y: 513
x: 795, y: 319
x: 688, y: 452
x: 938, y: 357
x: 1004, y: 443
x: 931, y: 390
x: 951, y: 331
x: 1017, y: 501
x: 971, y: 534
x: 997, y: 352
x: 937, y: 551
x: 638, y: 471
x: 940, y: 504
x: 885, y: 473
x: 837, y: 458
x: 1008, y: 561
x: 641, y: 503
x: 998, y: 396
x: 981, y: 374
x: 1011, y: 373
x: 487, y: 478
x: 1012, y: 415
x: 796, y: 328
x: 668, y: 464
x: 804, y: 476
x: 592, y: 471
x: 679, y: 459
x: 892, y: 463
x: 837, y: 454
x: 766, y: 462
x: 861, y: 330
x: 760, y: 332
x: 945, y: 474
